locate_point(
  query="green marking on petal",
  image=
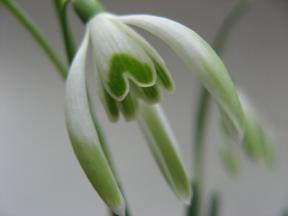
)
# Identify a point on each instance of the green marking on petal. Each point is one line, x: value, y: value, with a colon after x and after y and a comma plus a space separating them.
x: 124, y: 67
x: 269, y: 154
x: 257, y: 143
x: 164, y: 147
x: 164, y: 77
x: 83, y: 134
x: 229, y: 159
x: 148, y: 94
x: 252, y: 140
x: 110, y: 107
x: 129, y: 107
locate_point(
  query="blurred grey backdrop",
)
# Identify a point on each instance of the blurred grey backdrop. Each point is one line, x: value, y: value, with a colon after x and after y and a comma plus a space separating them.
x: 39, y: 174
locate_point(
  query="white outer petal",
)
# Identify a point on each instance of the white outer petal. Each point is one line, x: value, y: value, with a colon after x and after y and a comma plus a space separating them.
x: 197, y: 54
x: 165, y: 149
x: 82, y: 132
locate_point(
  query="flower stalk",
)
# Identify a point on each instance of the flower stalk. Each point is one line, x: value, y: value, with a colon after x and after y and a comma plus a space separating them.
x: 61, y: 11
x: 87, y: 9
x: 39, y: 38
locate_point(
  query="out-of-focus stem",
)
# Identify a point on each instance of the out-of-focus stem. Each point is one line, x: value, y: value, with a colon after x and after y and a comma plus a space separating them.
x: 285, y: 213
x: 27, y: 23
x: 200, y: 125
x: 203, y: 105
x: 228, y: 25
x: 61, y: 10
x: 214, y: 205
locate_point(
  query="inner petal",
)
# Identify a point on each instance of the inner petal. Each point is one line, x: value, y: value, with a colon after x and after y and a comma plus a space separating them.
x: 125, y: 68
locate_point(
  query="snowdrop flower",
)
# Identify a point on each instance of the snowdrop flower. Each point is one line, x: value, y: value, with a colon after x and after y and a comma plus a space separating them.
x: 128, y: 75
x: 254, y: 138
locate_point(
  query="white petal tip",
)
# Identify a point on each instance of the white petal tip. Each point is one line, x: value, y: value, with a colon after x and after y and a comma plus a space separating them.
x: 186, y: 201
x: 186, y: 198
x: 121, y: 211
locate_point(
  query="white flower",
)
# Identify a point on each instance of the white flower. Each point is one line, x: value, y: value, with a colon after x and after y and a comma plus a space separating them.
x: 127, y: 69
x: 253, y: 136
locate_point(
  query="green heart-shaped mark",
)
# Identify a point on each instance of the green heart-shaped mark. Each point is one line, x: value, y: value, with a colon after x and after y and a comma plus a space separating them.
x: 141, y: 73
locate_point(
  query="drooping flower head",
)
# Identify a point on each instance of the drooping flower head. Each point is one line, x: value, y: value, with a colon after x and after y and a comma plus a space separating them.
x: 128, y: 75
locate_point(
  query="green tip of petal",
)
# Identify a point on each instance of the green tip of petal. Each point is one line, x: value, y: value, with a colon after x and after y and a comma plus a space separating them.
x: 185, y: 195
x: 150, y: 95
x: 111, y: 107
x: 256, y: 139
x: 229, y: 160
x: 129, y: 107
x: 257, y: 143
x: 123, y: 67
x: 120, y: 211
x: 164, y: 77
x: 84, y: 136
x: 269, y: 155
x: 164, y: 148
x: 253, y: 139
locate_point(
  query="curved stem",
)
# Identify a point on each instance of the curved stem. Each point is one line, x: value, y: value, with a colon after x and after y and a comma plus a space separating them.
x: 61, y: 9
x: 228, y: 25
x: 200, y: 126
x: 204, y: 103
x: 27, y: 23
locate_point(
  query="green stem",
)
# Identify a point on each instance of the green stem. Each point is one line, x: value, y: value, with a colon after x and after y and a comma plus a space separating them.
x: 27, y: 23
x: 195, y: 206
x: 87, y: 9
x: 285, y: 213
x: 204, y: 103
x: 61, y: 9
x: 228, y: 25
x: 200, y: 126
x: 215, y: 203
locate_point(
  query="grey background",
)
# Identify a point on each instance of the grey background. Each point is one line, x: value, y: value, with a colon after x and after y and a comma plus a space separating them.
x: 39, y: 174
